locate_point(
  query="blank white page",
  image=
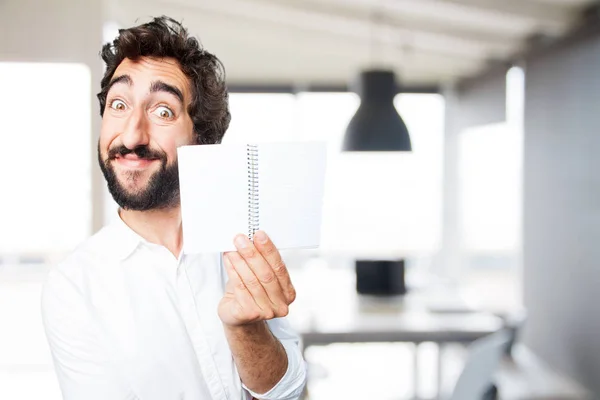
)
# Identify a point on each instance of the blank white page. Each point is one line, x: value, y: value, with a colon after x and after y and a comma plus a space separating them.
x: 214, y: 196
x: 291, y: 186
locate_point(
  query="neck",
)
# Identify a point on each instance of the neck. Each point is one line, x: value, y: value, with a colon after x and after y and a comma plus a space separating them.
x: 161, y: 227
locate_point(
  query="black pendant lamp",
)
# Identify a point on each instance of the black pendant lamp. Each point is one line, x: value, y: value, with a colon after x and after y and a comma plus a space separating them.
x: 376, y: 126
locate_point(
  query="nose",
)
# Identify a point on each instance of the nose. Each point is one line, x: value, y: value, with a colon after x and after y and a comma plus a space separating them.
x: 135, y: 130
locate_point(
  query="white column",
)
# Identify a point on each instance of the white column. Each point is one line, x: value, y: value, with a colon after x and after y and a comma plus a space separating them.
x: 449, y: 262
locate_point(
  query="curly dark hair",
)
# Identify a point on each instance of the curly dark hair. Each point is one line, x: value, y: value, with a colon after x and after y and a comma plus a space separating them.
x: 165, y: 37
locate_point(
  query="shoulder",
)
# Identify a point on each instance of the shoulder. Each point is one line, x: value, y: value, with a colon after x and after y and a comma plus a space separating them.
x: 95, y: 251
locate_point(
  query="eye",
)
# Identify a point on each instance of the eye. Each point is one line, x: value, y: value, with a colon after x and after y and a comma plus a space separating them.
x: 118, y: 105
x: 164, y: 112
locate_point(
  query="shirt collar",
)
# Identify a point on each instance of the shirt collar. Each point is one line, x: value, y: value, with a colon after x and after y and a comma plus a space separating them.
x: 125, y: 239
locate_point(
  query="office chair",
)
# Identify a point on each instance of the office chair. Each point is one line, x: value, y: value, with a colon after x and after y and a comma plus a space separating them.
x: 476, y: 379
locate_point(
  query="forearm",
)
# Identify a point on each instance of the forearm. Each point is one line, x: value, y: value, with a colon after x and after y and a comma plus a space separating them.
x: 260, y: 358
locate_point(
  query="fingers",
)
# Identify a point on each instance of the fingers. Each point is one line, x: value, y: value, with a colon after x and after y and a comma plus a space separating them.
x: 259, y: 286
x: 273, y: 258
x: 244, y: 309
x: 251, y: 282
x: 259, y: 276
x: 234, y: 282
x: 257, y: 273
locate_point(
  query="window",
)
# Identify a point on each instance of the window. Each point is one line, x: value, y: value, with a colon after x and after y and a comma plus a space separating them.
x: 46, y: 140
x: 490, y: 179
x: 490, y: 175
x: 260, y: 117
x: 364, y: 191
x: 490, y: 205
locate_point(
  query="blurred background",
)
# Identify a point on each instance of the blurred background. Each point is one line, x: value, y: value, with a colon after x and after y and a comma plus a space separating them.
x: 463, y: 265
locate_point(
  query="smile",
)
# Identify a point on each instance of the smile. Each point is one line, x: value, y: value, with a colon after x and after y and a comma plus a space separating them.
x: 133, y: 161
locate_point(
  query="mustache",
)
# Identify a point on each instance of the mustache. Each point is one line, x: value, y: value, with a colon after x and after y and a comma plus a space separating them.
x: 143, y: 152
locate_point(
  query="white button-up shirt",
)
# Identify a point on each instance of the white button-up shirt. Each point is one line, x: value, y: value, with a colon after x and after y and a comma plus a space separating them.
x: 125, y: 319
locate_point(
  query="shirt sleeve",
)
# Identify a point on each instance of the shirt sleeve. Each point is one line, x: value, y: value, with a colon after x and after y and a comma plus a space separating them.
x: 80, y: 356
x: 291, y: 385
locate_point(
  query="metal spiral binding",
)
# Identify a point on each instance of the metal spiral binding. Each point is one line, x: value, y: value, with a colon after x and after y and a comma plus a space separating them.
x: 253, y: 214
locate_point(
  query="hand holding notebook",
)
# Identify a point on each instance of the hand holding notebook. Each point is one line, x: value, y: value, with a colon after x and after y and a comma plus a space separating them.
x: 227, y: 189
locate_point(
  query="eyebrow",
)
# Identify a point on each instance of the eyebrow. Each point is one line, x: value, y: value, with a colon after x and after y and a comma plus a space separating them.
x: 156, y: 86
x: 160, y: 86
x: 119, y: 79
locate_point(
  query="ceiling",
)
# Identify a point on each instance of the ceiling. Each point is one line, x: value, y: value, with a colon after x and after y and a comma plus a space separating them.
x: 326, y: 42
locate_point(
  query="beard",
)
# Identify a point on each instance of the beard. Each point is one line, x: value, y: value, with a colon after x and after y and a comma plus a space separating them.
x: 161, y: 190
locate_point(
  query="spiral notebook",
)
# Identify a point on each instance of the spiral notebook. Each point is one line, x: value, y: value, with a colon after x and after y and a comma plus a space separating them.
x: 228, y: 189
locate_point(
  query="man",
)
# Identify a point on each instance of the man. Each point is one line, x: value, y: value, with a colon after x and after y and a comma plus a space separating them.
x: 127, y: 315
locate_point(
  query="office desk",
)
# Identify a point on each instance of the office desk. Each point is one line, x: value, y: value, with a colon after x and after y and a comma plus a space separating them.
x: 403, y: 327
x: 330, y: 311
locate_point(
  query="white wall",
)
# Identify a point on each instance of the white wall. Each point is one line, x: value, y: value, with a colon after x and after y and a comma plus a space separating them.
x: 562, y: 209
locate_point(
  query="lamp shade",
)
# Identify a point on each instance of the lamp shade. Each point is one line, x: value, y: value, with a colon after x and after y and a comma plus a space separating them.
x: 376, y: 126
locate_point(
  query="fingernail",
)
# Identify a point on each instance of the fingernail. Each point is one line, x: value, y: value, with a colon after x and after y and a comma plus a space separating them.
x: 260, y: 236
x: 241, y: 241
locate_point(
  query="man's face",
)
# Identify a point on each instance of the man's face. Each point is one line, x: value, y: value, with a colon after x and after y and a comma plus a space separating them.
x: 144, y: 122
